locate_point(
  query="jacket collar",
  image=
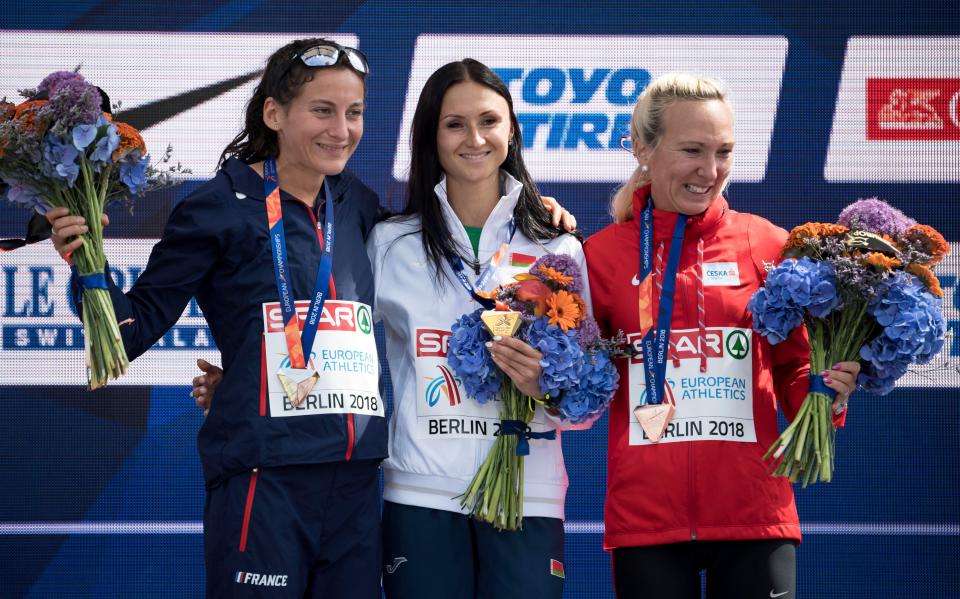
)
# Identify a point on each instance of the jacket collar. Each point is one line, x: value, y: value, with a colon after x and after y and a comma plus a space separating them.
x: 497, y: 223
x: 698, y: 226
x: 246, y: 181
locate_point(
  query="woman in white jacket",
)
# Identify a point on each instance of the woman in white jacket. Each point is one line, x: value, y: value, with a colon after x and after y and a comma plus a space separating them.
x: 469, y: 192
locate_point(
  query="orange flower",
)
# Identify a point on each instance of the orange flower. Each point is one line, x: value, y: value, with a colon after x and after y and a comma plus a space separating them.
x: 926, y: 275
x: 882, y: 261
x: 563, y: 310
x: 933, y: 242
x: 534, y: 291
x: 812, y: 231
x: 26, y: 113
x: 555, y: 276
x: 130, y: 141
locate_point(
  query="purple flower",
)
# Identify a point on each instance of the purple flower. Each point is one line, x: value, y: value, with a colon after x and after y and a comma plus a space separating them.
x: 74, y: 102
x: 562, y: 355
x: 53, y: 80
x: 598, y: 380
x: 563, y: 264
x: 589, y: 332
x: 876, y: 216
x: 469, y: 358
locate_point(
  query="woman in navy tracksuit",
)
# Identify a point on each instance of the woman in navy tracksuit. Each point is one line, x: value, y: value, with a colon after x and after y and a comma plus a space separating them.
x: 292, y: 506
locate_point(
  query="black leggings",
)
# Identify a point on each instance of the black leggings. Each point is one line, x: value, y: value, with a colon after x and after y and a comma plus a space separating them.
x: 734, y: 569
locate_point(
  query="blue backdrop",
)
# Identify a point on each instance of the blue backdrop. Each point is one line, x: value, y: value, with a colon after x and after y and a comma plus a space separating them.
x: 101, y: 494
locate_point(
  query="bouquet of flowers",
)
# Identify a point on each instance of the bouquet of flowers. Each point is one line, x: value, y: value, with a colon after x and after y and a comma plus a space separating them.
x: 866, y: 291
x: 59, y: 148
x: 578, y: 378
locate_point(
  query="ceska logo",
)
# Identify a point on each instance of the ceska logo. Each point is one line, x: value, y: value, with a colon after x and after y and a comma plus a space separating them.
x: 575, y: 94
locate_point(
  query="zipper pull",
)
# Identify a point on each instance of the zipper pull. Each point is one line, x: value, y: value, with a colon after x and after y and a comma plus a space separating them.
x: 476, y: 267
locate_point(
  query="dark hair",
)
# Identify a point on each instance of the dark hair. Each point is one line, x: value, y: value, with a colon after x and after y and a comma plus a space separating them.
x: 530, y: 216
x: 282, y: 79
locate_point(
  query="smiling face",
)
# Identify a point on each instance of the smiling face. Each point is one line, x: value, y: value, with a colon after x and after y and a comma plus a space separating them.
x: 690, y: 165
x: 320, y: 128
x: 473, y: 133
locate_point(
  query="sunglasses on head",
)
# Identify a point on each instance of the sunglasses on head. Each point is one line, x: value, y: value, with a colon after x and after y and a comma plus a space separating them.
x: 329, y: 54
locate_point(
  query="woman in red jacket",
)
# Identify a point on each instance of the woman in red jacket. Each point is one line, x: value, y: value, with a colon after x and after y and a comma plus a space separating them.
x: 699, y: 497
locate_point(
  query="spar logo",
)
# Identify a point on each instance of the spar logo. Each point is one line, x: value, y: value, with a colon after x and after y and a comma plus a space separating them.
x: 432, y: 343
x: 685, y: 344
x: 446, y: 386
x: 574, y: 95
x: 260, y: 580
x: 913, y: 109
x: 335, y: 316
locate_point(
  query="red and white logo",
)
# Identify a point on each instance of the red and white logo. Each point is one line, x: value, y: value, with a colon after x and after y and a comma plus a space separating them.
x: 432, y: 343
x: 912, y: 109
x: 336, y: 316
x: 685, y: 345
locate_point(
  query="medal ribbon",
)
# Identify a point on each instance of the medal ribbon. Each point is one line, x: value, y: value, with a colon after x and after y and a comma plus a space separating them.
x: 456, y: 263
x: 298, y: 345
x: 655, y: 342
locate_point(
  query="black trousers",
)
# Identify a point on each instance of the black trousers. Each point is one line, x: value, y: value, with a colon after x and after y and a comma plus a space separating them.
x: 761, y: 569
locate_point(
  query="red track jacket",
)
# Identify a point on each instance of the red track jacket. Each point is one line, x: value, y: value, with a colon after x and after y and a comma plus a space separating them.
x: 701, y: 489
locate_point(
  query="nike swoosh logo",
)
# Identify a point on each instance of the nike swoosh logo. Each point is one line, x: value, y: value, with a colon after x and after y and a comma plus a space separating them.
x: 635, y: 281
x: 772, y: 594
x: 153, y: 113
x: 391, y: 568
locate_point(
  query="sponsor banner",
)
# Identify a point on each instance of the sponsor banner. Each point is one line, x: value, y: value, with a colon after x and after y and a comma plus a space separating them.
x: 574, y: 95
x: 41, y: 337
x: 344, y: 354
x: 196, y: 85
x: 897, y: 115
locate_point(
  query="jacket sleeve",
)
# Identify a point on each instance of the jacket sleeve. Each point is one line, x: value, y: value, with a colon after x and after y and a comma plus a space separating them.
x: 189, y: 248
x: 375, y: 265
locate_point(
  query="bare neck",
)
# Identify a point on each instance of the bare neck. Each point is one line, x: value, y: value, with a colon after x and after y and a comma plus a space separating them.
x: 303, y: 186
x: 473, y: 202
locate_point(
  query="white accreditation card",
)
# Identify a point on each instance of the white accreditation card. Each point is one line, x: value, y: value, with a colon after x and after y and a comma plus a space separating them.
x: 716, y: 405
x: 344, y: 355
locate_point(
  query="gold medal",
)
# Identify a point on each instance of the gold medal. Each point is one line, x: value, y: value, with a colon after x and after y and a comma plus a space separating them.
x: 297, y: 383
x: 502, y: 323
x: 654, y: 418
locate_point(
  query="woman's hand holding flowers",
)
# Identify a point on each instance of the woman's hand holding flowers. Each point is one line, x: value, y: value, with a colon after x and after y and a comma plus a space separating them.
x: 518, y: 361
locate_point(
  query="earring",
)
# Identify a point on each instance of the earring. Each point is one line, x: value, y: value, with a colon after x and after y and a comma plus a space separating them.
x: 644, y: 170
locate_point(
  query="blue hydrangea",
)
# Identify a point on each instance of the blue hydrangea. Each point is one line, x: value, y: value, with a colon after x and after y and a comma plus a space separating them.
x: 791, y: 288
x: 469, y: 358
x: 913, y: 330
x: 823, y: 296
x: 562, y: 356
x: 133, y: 172
x: 598, y: 380
x: 24, y: 195
x: 60, y: 160
x: 771, y: 318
